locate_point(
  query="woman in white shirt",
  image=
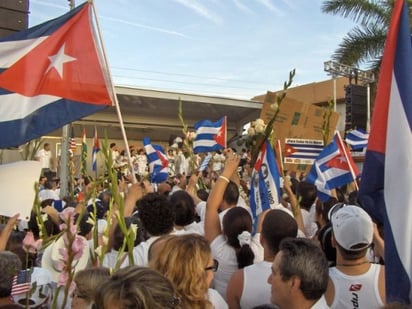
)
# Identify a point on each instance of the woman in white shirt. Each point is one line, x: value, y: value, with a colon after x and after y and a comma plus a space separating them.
x: 233, y: 246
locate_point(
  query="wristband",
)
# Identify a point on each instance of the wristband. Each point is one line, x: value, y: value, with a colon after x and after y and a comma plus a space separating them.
x: 224, y: 178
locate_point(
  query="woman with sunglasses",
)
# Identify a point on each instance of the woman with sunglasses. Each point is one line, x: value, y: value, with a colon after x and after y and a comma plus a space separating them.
x: 187, y: 261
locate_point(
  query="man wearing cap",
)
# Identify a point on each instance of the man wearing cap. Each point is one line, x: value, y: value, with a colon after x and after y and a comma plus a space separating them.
x: 354, y: 282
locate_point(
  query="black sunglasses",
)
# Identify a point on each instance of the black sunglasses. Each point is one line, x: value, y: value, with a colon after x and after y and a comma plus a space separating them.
x: 335, y: 209
x: 214, y: 267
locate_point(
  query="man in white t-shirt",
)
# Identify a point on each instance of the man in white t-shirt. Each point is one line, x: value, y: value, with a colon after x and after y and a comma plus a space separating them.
x: 44, y: 155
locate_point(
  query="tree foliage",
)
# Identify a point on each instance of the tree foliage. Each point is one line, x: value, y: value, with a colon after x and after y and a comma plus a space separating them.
x: 363, y: 45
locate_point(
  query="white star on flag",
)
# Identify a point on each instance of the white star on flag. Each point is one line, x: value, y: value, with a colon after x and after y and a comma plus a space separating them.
x: 342, y: 159
x: 57, y: 61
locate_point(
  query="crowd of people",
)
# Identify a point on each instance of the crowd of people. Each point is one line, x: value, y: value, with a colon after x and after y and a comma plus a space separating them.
x: 195, y: 247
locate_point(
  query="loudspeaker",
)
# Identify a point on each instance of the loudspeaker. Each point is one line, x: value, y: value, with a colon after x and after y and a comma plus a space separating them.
x: 356, y: 107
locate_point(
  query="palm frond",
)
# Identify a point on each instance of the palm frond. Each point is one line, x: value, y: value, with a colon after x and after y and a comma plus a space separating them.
x: 361, y: 45
x: 362, y: 11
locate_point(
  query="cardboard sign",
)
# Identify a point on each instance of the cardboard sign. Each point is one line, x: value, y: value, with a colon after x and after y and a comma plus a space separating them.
x: 17, y: 187
x: 297, y: 120
x: 302, y: 151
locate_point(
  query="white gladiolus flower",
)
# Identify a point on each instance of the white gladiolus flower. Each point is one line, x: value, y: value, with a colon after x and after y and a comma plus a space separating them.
x: 192, y: 136
x: 260, y: 128
x: 259, y: 122
x: 251, y: 131
x: 133, y: 228
x: 44, y: 217
x: 98, y: 251
x: 274, y: 106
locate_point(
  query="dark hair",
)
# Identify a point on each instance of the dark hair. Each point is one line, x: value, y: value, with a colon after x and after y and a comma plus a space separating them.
x: 84, y: 226
x: 50, y: 226
x: 202, y: 194
x: 276, y: 226
x: 10, y: 265
x: 156, y: 214
x: 235, y: 221
x: 118, y: 235
x: 100, y: 208
x: 184, y: 207
x: 323, y: 208
x: 351, y: 254
x: 112, y: 145
x: 303, y: 258
x: 325, y: 240
x: 307, y: 193
x: 231, y: 194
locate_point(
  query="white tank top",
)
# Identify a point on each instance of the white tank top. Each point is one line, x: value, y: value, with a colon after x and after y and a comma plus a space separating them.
x: 360, y: 291
x: 256, y: 289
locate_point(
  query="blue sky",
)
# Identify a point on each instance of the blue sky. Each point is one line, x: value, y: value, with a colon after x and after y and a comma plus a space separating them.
x: 231, y: 48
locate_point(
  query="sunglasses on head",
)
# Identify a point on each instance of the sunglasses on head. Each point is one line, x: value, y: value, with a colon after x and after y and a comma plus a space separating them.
x: 335, y: 209
x: 214, y: 267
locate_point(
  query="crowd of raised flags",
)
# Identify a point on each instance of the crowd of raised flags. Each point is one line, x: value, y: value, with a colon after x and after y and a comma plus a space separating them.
x: 61, y: 99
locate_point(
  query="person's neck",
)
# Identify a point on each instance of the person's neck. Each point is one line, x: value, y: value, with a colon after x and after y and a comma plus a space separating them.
x: 352, y: 267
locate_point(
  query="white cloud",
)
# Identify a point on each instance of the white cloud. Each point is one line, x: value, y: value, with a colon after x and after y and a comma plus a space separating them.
x: 242, y: 7
x: 167, y: 31
x: 269, y: 5
x: 201, y: 10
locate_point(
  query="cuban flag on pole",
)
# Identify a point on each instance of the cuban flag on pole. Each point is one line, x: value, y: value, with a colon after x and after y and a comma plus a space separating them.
x: 385, y: 189
x: 205, y: 162
x: 96, y: 149
x: 357, y: 139
x: 333, y: 168
x: 210, y: 136
x: 158, y: 162
x: 265, y: 181
x: 50, y: 75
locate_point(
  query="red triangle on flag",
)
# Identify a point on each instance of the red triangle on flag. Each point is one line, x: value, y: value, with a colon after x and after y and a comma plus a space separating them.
x: 65, y: 64
x: 261, y: 156
x: 289, y: 150
x: 339, y: 162
x: 220, y: 137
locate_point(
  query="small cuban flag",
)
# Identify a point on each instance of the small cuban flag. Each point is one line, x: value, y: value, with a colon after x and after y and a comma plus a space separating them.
x: 210, y: 136
x: 158, y: 162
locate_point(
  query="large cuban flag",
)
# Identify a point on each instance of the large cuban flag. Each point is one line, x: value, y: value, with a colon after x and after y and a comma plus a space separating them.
x: 210, y: 136
x: 265, y: 181
x: 386, y: 185
x: 50, y: 75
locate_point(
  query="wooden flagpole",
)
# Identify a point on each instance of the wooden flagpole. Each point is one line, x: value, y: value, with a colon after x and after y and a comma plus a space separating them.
x: 347, y: 159
x: 114, y: 96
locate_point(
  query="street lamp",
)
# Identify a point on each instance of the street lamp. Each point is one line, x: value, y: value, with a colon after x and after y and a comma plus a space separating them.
x: 336, y: 69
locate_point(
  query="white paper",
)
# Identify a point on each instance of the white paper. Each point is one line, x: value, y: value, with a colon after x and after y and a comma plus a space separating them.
x: 17, y: 187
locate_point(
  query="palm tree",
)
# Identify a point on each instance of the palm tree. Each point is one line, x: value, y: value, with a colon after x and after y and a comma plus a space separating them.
x: 364, y: 43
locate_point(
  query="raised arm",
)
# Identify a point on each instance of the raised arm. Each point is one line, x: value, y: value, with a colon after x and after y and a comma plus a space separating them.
x: 135, y: 193
x: 5, y: 234
x: 212, y: 222
x: 293, y: 203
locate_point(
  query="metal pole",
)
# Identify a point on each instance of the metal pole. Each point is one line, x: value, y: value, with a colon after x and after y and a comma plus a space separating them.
x: 64, y: 161
x: 64, y: 152
x: 334, y: 92
x: 368, y: 107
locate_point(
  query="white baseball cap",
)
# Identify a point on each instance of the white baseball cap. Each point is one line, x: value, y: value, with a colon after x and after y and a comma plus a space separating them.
x: 352, y: 227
